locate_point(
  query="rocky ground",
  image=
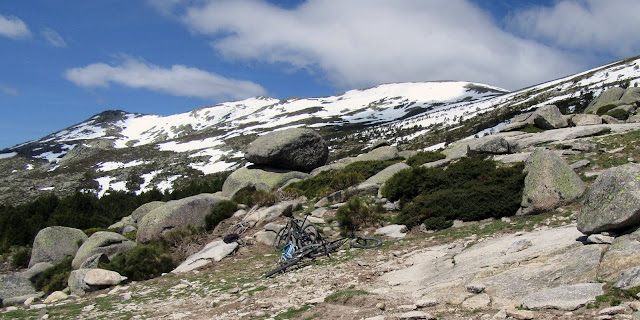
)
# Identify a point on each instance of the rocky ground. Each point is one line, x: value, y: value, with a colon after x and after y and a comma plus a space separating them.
x: 476, y: 271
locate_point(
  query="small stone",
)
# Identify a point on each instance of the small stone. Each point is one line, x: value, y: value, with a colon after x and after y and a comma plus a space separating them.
x: 89, y: 308
x: 502, y: 314
x: 126, y: 296
x: 426, y: 303
x: 600, y: 239
x: 29, y: 301
x: 37, y: 306
x: 615, y: 310
x: 381, y: 305
x: 475, y: 288
x: 416, y: 315
x: 55, y: 296
x: 12, y: 308
x: 407, y: 307
x: 520, y: 314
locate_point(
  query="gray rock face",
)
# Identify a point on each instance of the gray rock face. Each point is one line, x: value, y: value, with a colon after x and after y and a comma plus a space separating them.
x: 566, y: 298
x: 176, y: 214
x: 586, y: 119
x: 268, y: 214
x: 549, y: 184
x: 384, y: 175
x: 102, y: 242
x: 36, y: 269
x: 610, y: 96
x: 53, y: 244
x: 613, y: 202
x: 215, y: 251
x: 493, y: 145
x: 265, y: 179
x: 82, y: 281
x: 15, y: 285
x: 631, y: 96
x: 628, y: 278
x: 144, y: 209
x: 624, y: 253
x: 549, y: 117
x: 382, y: 154
x: 295, y: 149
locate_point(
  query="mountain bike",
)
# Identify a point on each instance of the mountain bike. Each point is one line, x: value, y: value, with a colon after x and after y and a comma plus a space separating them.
x: 298, y: 232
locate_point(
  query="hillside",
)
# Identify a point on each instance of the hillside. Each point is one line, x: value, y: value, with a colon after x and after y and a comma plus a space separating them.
x: 116, y: 150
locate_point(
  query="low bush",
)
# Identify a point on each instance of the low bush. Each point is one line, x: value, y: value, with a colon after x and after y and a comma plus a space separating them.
x: 619, y: 114
x: 54, y: 278
x: 472, y: 188
x: 21, y: 258
x: 604, y: 109
x: 221, y: 211
x: 343, y: 180
x: 143, y: 262
x: 354, y: 215
x: 423, y: 157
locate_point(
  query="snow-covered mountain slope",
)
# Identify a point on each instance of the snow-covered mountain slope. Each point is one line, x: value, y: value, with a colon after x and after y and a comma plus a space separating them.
x: 116, y: 150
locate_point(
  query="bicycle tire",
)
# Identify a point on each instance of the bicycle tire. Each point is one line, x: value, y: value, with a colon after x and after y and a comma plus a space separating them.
x: 283, y: 266
x: 282, y: 238
x: 326, y: 248
x: 310, y: 235
x: 365, y: 243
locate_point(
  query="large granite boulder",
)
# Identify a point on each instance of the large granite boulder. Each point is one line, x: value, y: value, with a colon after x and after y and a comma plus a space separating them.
x: 269, y: 214
x: 549, y: 184
x: 53, y: 244
x: 144, y: 209
x: 102, y: 242
x: 15, y: 285
x: 613, y: 202
x: 549, y: 117
x: 610, y: 96
x: 491, y: 144
x: 265, y: 179
x: 388, y: 172
x: 623, y: 254
x: 176, y: 214
x: 568, y: 298
x: 82, y: 281
x: 586, y: 119
x: 631, y: 96
x: 215, y: 251
x: 294, y: 149
x: 382, y: 154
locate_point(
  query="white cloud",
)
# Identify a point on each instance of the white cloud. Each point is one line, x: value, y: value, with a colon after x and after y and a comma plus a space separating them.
x: 365, y: 42
x: 611, y: 26
x: 13, y: 27
x: 178, y: 80
x: 8, y: 90
x: 53, y: 38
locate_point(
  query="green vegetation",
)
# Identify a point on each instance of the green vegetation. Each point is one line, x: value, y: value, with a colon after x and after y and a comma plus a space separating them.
x: 470, y: 189
x: 21, y: 258
x: 354, y: 215
x: 619, y: 114
x: 531, y: 128
x: 142, y: 262
x: 344, y: 296
x: 20, y: 224
x: 56, y: 278
x: 251, y: 197
x: 604, y: 109
x: 221, y: 211
x: 328, y: 182
x: 423, y: 157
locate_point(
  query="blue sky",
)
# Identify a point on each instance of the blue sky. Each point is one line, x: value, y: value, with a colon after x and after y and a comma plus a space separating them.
x: 64, y: 61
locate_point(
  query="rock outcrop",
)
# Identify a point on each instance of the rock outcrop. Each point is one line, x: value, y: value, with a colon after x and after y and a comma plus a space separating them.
x: 260, y: 178
x: 53, y: 244
x: 549, y: 183
x: 610, y: 96
x: 14, y: 286
x: 82, y: 281
x: 549, y: 117
x: 215, y: 251
x: 613, y: 202
x: 102, y: 242
x: 294, y: 149
x: 176, y: 214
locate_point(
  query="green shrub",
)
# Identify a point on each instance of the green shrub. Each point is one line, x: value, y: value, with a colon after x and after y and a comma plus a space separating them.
x: 619, y: 114
x: 470, y: 189
x: 423, y: 157
x: 221, y: 211
x: 21, y: 258
x: 368, y: 168
x: 317, y: 186
x: 54, y: 278
x: 343, y: 180
x: 354, y: 215
x: 531, y: 128
x: 264, y: 199
x: 91, y: 231
x: 604, y: 109
x: 143, y: 262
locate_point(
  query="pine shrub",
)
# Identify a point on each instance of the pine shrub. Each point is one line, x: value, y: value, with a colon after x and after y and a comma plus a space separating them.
x: 423, y: 157
x: 54, y: 278
x: 143, y: 262
x: 21, y: 258
x: 354, y: 215
x: 221, y: 211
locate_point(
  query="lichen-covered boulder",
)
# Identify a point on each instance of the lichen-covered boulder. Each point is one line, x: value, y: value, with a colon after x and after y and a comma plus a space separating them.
x: 108, y: 243
x: 53, y: 244
x: 382, y: 154
x: 15, y: 285
x: 490, y: 144
x: 176, y: 214
x: 631, y: 96
x: 265, y: 179
x: 586, y: 119
x: 388, y: 172
x: 549, y: 184
x: 549, y: 117
x: 613, y: 202
x: 623, y: 254
x: 82, y: 281
x: 295, y: 149
x: 144, y: 209
x: 610, y: 96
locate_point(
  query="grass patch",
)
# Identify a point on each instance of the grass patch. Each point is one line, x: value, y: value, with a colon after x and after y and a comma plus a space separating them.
x: 344, y: 296
x: 292, y: 313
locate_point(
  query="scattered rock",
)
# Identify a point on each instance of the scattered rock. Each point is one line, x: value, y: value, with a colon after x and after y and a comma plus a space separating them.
x: 623, y: 253
x: 549, y: 117
x: 382, y: 154
x: 53, y: 244
x: 549, y: 184
x: 426, y: 303
x: 144, y: 209
x: 265, y: 237
x: 600, y: 239
x: 580, y: 164
x: 566, y: 298
x: 56, y: 296
x: 478, y: 301
x: 215, y: 251
x: 295, y: 149
x: 384, y: 175
x: 492, y: 145
x: 586, y: 119
x: 176, y: 214
x: 82, y: 281
x: 520, y: 314
x: 475, y: 288
x: 628, y: 278
x: 36, y: 269
x: 268, y: 214
x: 615, y: 310
x: 392, y: 231
x: 613, y: 202
x: 518, y: 246
x: 102, y: 242
x: 416, y: 315
x: 15, y: 285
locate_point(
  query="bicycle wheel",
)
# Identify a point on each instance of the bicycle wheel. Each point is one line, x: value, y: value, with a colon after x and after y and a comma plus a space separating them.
x: 282, y: 238
x: 310, y: 235
x: 325, y: 248
x: 283, y: 267
x: 365, y: 243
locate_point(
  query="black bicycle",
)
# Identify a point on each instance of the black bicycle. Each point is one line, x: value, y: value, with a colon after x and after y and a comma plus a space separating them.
x: 298, y: 232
